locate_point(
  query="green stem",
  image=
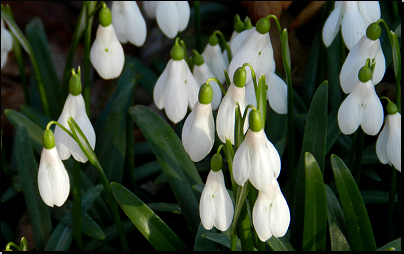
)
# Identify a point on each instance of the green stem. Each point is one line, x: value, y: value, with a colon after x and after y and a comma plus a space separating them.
x: 278, y: 25
x: 396, y: 13
x: 244, y: 230
x: 359, y: 155
x: 77, y: 219
x: 353, y: 152
x: 229, y: 156
x: 218, y: 82
x: 225, y: 44
x: 240, y: 201
x: 392, y: 195
x: 198, y: 26
x: 87, y: 63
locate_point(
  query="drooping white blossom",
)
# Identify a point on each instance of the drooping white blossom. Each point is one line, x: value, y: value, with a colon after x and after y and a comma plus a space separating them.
x: 172, y: 17
x: 215, y: 61
x: 388, y: 145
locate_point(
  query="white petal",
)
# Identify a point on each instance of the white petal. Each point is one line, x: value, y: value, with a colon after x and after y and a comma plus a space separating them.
x: 380, y: 67
x: 372, y: 118
x: 332, y: 25
x: 239, y: 41
x: 53, y: 180
x: 353, y: 25
x: 106, y: 54
x: 350, y: 111
x: 168, y: 18
x: 277, y: 93
x: 191, y: 84
x: 198, y: 133
x: 159, y: 87
x: 6, y: 44
x: 394, y: 140
x: 214, y: 59
x: 370, y: 11
x: 250, y: 94
x: 149, y: 8
x: 260, y: 216
x: 279, y: 216
x: 223, y: 205
x: 242, y: 162
x: 381, y: 144
x: 128, y: 22
x: 207, y: 206
x: 184, y: 13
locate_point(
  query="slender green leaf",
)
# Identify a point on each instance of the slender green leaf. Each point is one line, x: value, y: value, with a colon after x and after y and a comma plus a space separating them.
x: 60, y: 239
x: 396, y: 56
x: 333, y: 68
x: 90, y: 196
x: 359, y: 230
x: 333, y: 131
x: 315, y: 208
x: 280, y: 244
x: 203, y: 244
x: 28, y: 170
x: 371, y: 174
x: 174, y: 160
x: 7, y: 232
x: 165, y: 207
x: 34, y: 131
x: 376, y: 197
x: 159, y: 235
x: 146, y: 77
x: 336, y: 223
x: 147, y: 169
x: 393, y: 245
x: 9, y: 194
x: 38, y: 117
x: 369, y: 155
x: 222, y: 239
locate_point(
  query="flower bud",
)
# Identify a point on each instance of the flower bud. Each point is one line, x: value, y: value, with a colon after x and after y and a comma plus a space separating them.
x: 213, y: 40
x: 255, y: 120
x: 373, y: 31
x: 263, y: 26
x: 240, y: 76
x: 48, y: 139
x: 238, y: 24
x: 391, y: 108
x: 365, y: 74
x: 105, y: 16
x: 177, y: 52
x: 247, y: 23
x: 216, y: 162
x: 205, y: 94
x: 75, y: 84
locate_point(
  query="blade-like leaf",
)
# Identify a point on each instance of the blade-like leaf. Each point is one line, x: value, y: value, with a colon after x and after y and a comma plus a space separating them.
x: 28, y: 170
x: 174, y: 160
x: 336, y: 223
x: 60, y: 239
x: 315, y: 208
x: 147, y: 169
x: 201, y: 243
x: 280, y: 244
x: 159, y: 235
x: 222, y: 239
x: 393, y: 245
x: 359, y: 230
x: 165, y: 207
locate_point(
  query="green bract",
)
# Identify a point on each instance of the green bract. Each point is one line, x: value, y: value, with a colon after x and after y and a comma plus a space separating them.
x: 255, y: 120
x: 391, y: 108
x: 205, y: 94
x: 216, y: 162
x: 238, y: 24
x: 75, y: 84
x: 213, y: 40
x: 240, y: 76
x: 365, y: 74
x: 105, y: 16
x: 198, y: 59
x: 48, y: 139
x: 263, y: 26
x: 373, y: 31
x: 247, y: 23
x: 177, y: 52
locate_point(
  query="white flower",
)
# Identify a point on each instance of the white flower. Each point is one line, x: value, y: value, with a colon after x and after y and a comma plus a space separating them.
x: 356, y: 59
x: 6, y: 44
x: 149, y: 8
x: 201, y: 74
x: 74, y: 107
x: 354, y: 17
x: 172, y: 17
x: 361, y: 107
x: 128, y: 22
x: 225, y: 120
x: 175, y: 90
x: 215, y: 206
x: 271, y: 215
x: 106, y: 54
x: 214, y: 59
x: 388, y: 145
x: 198, y: 133
x: 257, y: 160
x: 53, y: 180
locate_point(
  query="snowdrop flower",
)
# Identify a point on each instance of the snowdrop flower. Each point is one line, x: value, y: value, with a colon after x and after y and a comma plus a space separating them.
x: 225, y: 121
x: 74, y: 107
x: 368, y: 47
x: 6, y: 44
x: 212, y: 54
x: 201, y: 73
x: 388, y: 145
x: 149, y: 8
x: 361, y: 107
x: 353, y: 17
x: 253, y: 46
x: 53, y: 180
x: 106, y: 53
x: 198, y: 133
x: 215, y: 206
x: 271, y: 215
x: 256, y: 159
x: 176, y: 88
x: 172, y: 17
x: 128, y: 22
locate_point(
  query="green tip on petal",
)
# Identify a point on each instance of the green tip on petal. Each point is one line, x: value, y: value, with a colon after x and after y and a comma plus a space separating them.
x: 365, y: 74
x: 216, y: 162
x: 105, y: 16
x: 391, y: 108
x: 263, y: 26
x: 205, y: 94
x: 213, y: 40
x: 48, y: 139
x: 240, y: 76
x: 247, y: 23
x: 255, y: 120
x: 373, y: 31
x: 198, y: 59
x: 75, y: 84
